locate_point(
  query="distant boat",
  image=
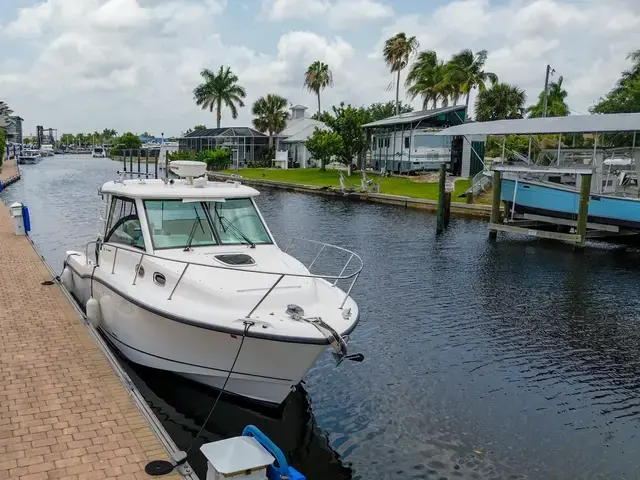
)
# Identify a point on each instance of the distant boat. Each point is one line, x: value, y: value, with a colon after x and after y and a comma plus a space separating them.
x: 29, y: 157
x: 98, y: 152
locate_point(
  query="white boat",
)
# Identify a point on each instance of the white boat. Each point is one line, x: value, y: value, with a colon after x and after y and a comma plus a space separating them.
x: 190, y: 279
x: 47, y: 150
x: 98, y: 152
x: 29, y: 157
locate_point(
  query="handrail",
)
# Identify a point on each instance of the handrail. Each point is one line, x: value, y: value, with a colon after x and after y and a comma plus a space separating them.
x: 354, y: 276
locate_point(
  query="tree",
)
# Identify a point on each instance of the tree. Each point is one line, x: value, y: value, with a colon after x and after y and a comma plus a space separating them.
x: 317, y: 78
x: 499, y: 102
x: 426, y: 80
x: 625, y: 96
x: 378, y: 111
x: 465, y: 71
x: 108, y: 134
x: 4, y: 109
x: 129, y: 141
x: 397, y: 52
x: 217, y: 89
x: 556, y: 104
x: 199, y: 127
x: 67, y: 139
x: 347, y: 122
x: 270, y: 115
x: 323, y: 145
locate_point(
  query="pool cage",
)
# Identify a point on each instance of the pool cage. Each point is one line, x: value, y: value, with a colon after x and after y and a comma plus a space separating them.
x: 246, y: 144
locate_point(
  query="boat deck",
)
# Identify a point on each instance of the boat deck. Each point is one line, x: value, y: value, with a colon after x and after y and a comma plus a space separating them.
x: 64, y: 413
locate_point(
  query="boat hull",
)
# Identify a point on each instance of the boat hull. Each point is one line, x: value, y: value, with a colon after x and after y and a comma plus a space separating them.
x: 265, y: 370
x: 563, y: 202
x: 28, y: 160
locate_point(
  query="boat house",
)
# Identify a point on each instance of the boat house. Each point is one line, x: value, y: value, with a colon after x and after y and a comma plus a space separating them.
x: 408, y: 143
x: 246, y: 144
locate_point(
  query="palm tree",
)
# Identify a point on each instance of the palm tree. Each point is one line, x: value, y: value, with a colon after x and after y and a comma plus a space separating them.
x: 556, y: 102
x: 465, y: 72
x: 4, y: 109
x: 425, y: 79
x: 397, y: 52
x: 317, y: 78
x: 219, y: 88
x: 270, y: 115
x: 108, y: 134
x: 500, y: 102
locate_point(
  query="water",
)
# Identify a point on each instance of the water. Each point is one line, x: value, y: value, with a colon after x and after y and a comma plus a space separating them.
x: 507, y: 359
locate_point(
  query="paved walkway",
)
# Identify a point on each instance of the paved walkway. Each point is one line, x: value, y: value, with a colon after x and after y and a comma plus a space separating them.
x: 63, y: 411
x: 9, y: 170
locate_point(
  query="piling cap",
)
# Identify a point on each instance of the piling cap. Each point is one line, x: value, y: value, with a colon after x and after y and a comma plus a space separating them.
x: 236, y: 455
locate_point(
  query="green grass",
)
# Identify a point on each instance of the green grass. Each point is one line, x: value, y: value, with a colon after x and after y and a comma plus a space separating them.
x: 389, y: 185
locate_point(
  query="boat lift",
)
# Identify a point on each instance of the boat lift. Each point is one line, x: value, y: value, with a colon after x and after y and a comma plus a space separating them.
x: 588, y: 177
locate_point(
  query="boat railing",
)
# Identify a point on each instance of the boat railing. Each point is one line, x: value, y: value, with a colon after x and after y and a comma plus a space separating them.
x: 354, y: 260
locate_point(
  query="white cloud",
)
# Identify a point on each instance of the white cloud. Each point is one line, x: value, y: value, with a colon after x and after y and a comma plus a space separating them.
x: 339, y: 14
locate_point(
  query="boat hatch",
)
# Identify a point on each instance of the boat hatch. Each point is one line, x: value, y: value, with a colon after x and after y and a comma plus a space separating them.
x: 236, y: 259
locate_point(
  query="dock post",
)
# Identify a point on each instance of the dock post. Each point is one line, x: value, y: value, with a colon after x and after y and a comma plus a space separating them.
x: 583, y: 209
x: 447, y: 209
x: 495, y: 202
x: 469, y: 197
x: 440, y: 221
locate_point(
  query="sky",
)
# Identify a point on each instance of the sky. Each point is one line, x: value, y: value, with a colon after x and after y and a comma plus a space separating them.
x: 132, y: 65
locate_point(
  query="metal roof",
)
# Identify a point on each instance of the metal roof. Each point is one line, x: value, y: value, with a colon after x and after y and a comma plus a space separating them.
x: 412, y: 117
x: 225, y: 132
x: 614, y: 122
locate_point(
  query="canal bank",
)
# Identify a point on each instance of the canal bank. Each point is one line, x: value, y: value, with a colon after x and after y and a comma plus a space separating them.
x: 9, y: 174
x: 66, y: 408
x: 472, y: 210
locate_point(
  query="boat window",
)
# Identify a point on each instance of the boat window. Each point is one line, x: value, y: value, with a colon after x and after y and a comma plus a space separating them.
x: 173, y: 222
x: 237, y: 221
x: 124, y: 224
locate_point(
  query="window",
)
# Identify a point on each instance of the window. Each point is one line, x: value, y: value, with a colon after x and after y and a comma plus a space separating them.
x: 431, y: 141
x: 407, y: 142
x: 236, y: 221
x: 124, y: 224
x: 375, y: 143
x: 171, y: 223
x: 176, y: 224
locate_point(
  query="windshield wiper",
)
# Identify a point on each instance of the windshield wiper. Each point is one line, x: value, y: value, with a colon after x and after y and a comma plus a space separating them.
x: 192, y: 234
x: 235, y: 229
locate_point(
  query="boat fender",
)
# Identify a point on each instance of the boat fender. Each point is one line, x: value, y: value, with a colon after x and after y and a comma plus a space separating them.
x: 66, y: 278
x: 93, y: 312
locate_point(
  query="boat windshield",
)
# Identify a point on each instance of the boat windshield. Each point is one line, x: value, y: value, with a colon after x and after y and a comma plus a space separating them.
x: 232, y: 222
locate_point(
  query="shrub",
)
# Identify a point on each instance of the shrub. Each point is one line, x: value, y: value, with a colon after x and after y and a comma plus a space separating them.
x: 217, y: 159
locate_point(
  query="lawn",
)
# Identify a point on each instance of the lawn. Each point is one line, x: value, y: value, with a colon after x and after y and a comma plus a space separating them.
x: 329, y: 178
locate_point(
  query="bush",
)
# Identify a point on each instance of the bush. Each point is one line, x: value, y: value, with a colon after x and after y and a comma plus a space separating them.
x: 217, y: 159
x: 3, y: 147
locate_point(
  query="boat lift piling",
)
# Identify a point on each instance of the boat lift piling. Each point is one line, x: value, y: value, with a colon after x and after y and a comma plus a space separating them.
x: 444, y: 201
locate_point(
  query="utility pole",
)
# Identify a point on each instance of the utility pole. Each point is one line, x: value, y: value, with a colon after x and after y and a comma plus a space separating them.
x: 550, y: 71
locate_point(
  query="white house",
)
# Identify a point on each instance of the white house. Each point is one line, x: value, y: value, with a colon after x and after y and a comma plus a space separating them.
x: 292, y: 139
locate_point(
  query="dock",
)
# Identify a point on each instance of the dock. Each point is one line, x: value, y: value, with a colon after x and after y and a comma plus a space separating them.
x: 65, y: 410
x: 10, y: 173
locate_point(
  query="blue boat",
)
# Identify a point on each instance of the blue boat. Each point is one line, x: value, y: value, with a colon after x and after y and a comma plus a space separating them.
x: 561, y: 201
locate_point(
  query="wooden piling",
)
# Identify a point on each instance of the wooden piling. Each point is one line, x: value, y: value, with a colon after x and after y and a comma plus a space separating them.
x: 583, y: 209
x: 440, y: 218
x: 470, y: 197
x: 495, y: 202
x: 447, y: 208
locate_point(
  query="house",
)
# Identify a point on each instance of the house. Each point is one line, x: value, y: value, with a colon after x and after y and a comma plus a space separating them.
x: 292, y: 139
x: 13, y: 127
x: 246, y: 144
x: 406, y: 143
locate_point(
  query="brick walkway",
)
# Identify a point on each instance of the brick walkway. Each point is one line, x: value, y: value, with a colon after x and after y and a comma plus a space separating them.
x: 9, y: 170
x: 63, y: 411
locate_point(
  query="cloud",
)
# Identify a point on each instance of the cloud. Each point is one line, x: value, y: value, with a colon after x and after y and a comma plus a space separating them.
x: 338, y: 14
x: 586, y: 43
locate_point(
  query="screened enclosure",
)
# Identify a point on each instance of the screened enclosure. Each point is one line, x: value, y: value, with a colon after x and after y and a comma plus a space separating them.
x: 246, y: 144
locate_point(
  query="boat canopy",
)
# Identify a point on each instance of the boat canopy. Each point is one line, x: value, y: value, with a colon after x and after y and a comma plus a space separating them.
x: 614, y: 122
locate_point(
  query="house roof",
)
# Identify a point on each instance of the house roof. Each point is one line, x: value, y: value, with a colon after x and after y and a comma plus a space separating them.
x: 225, y: 132
x: 300, y: 129
x: 614, y: 122
x: 418, y: 116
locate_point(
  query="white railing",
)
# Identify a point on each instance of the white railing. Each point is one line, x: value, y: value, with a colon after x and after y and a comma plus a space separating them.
x: 323, y: 247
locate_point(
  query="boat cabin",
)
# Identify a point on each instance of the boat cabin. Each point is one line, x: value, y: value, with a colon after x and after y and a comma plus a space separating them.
x: 154, y: 215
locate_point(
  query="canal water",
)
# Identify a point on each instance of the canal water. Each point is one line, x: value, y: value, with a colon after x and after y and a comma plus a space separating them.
x: 508, y: 359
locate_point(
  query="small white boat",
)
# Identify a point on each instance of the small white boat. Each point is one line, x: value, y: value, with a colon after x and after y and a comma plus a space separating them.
x: 189, y: 279
x: 98, y: 152
x: 29, y: 157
